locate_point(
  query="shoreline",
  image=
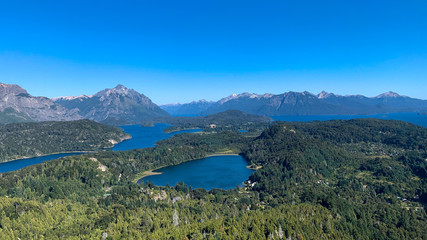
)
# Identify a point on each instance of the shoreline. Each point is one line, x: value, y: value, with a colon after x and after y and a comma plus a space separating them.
x: 151, y: 173
x: 221, y: 154
x: 44, y: 155
x: 253, y: 167
x: 147, y: 173
x: 179, y: 130
x: 66, y: 152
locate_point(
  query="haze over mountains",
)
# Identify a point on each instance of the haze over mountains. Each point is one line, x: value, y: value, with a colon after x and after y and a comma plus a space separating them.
x: 121, y: 105
x: 192, y: 108
x: 303, y: 103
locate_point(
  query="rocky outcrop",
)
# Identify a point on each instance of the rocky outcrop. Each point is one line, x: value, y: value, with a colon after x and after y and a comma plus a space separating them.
x: 16, y: 105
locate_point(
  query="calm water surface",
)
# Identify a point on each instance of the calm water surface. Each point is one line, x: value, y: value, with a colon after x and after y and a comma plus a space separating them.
x: 223, y: 172
x: 20, y: 163
x: 142, y: 137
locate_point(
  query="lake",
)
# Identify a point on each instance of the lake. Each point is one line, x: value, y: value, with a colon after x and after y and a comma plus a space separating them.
x: 25, y: 162
x: 224, y: 171
x: 142, y: 137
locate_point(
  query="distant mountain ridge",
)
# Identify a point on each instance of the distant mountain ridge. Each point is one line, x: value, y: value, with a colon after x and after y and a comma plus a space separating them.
x: 115, y: 106
x: 16, y: 105
x: 118, y: 105
x: 192, y: 108
x: 306, y: 103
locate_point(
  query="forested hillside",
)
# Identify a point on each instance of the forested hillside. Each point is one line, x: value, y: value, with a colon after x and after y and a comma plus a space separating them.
x: 227, y: 120
x: 357, y: 179
x: 370, y: 174
x: 39, y: 138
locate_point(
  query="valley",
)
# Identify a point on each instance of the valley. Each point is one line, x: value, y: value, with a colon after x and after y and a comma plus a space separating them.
x: 134, y: 136
x: 352, y: 178
x: 213, y: 120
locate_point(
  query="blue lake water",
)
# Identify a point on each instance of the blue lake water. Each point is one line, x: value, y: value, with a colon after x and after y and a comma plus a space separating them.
x: 223, y: 172
x: 20, y: 163
x: 228, y: 171
x: 142, y: 137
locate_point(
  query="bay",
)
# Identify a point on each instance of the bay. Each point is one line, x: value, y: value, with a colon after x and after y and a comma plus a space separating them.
x: 25, y: 162
x: 142, y: 137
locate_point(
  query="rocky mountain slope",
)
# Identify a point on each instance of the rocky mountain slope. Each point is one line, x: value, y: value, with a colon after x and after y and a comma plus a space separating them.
x: 121, y: 105
x: 16, y: 105
x: 118, y: 105
x: 306, y: 103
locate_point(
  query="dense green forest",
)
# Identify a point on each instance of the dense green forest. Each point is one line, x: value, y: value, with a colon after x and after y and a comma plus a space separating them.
x: 356, y: 179
x: 228, y: 120
x: 21, y: 140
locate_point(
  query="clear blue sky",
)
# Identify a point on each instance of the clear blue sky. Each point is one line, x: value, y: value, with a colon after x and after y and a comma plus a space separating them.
x: 179, y: 51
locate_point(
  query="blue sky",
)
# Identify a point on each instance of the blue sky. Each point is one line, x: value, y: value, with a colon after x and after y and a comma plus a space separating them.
x: 179, y: 51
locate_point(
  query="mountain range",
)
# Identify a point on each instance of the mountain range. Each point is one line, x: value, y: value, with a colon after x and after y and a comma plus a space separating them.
x: 16, y: 105
x: 120, y: 105
x: 115, y: 106
x: 303, y: 103
x: 192, y: 108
